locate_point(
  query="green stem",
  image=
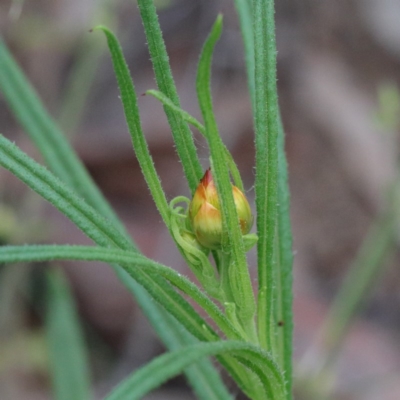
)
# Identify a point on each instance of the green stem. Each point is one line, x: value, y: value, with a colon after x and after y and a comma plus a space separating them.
x: 225, y: 283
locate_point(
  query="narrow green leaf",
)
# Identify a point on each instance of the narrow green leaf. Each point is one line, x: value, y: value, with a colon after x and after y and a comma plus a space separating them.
x: 172, y: 334
x: 67, y: 351
x: 159, y: 57
x: 131, y: 109
x: 55, y: 149
x: 284, y: 254
x: 63, y: 161
x: 239, y: 275
x: 284, y: 268
x: 93, y: 225
x: 168, y: 103
x: 129, y: 260
x: 243, y: 8
x: 193, y: 121
x: 171, y: 364
x: 62, y: 197
x: 266, y: 129
x: 211, y: 385
x: 202, y: 376
x: 172, y: 302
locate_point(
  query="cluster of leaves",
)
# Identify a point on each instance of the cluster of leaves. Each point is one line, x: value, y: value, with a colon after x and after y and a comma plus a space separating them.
x: 257, y: 351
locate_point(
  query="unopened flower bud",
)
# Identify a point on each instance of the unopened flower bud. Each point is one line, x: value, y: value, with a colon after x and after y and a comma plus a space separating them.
x: 205, y: 215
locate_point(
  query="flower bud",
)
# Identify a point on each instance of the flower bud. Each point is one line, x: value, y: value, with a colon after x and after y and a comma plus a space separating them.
x: 205, y: 215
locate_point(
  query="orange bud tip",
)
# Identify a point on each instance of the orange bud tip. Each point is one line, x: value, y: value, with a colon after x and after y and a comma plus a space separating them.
x: 205, y: 214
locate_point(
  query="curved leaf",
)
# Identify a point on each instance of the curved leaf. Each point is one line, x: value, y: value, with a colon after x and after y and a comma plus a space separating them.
x: 60, y: 195
x: 171, y: 364
x: 182, y: 135
x: 193, y: 121
x: 42, y: 181
x: 49, y: 187
x: 239, y: 274
x: 128, y: 260
x: 131, y: 109
x: 67, y: 352
x: 62, y: 159
x: 54, y: 147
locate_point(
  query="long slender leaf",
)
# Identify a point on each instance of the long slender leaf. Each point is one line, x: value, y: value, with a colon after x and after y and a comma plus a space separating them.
x: 48, y: 186
x: 284, y: 317
x: 171, y: 364
x: 238, y: 273
x: 61, y: 196
x: 67, y: 352
x: 182, y: 136
x: 64, y: 162
x: 42, y: 129
x: 285, y: 265
x: 167, y: 102
x: 266, y: 128
x: 212, y: 383
x: 129, y: 260
x: 25, y: 169
x: 244, y: 11
x: 202, y: 376
x: 193, y: 121
x: 129, y: 101
x: 132, y: 117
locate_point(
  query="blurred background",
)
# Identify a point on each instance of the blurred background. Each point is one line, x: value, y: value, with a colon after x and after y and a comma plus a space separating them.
x: 338, y: 80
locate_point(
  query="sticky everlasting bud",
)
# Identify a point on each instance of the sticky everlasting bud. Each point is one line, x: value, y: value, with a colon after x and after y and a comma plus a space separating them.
x: 205, y: 215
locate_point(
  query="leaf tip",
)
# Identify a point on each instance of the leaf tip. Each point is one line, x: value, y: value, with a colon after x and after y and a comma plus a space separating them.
x: 100, y: 28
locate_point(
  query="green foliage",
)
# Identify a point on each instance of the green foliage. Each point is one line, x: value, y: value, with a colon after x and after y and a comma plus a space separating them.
x: 132, y: 116
x: 266, y: 129
x: 284, y: 260
x: 67, y: 350
x: 238, y: 275
x: 244, y: 332
x: 171, y: 364
x: 52, y: 144
x: 182, y: 136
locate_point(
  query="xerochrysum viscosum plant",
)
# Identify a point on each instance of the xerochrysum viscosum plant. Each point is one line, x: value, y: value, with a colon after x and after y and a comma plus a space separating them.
x: 241, y: 330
